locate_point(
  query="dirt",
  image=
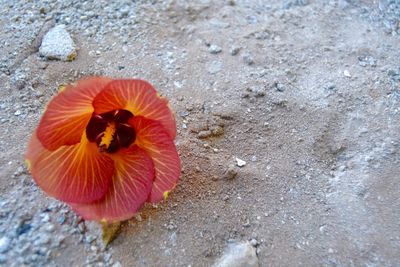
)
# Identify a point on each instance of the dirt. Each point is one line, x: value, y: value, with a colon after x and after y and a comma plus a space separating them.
x: 307, y: 93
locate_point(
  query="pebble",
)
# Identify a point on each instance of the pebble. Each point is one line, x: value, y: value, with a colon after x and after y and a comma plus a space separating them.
x: 204, y: 134
x: 330, y: 86
x: 217, y: 130
x: 58, y: 44
x: 49, y: 228
x: 292, y: 3
x: 240, y: 162
x: 279, y: 87
x: 4, y: 244
x: 253, y: 242
x: 43, y: 239
x: 214, y: 131
x: 230, y: 173
x: 215, y: 67
x: 234, y: 50
x: 367, y: 60
x: 347, y: 74
x: 184, y: 113
x: 214, y: 49
x: 238, y: 255
x: 248, y: 59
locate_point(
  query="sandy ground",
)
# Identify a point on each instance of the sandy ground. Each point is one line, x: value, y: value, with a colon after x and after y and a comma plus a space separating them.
x: 307, y: 94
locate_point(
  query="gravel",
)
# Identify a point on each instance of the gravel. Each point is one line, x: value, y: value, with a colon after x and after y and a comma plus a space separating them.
x: 337, y: 188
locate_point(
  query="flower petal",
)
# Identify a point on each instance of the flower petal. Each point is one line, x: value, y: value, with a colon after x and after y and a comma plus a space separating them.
x: 77, y: 173
x: 134, y: 174
x: 68, y: 113
x: 140, y: 98
x: 153, y: 138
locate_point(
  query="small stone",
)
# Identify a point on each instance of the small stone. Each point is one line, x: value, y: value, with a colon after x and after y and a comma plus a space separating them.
x: 18, y: 112
x: 184, y: 113
x: 45, y: 217
x: 214, y: 67
x: 23, y: 228
x: 253, y: 242
x: 238, y: 255
x: 19, y: 171
x: 330, y: 86
x: 347, y: 74
x: 248, y: 59
x: 61, y: 219
x: 117, y: 264
x: 49, y: 228
x: 58, y: 44
x: 138, y: 217
x: 240, y: 163
x: 42, y: 240
x: 258, y: 91
x: 90, y: 238
x: 217, y: 130
x: 230, y: 173
x: 204, y: 134
x: 59, y: 240
x: 292, y: 3
x: 214, y: 49
x: 279, y: 87
x: 5, y: 243
x: 234, y: 50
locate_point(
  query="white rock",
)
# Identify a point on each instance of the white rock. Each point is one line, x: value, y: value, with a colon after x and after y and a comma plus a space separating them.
x: 4, y: 244
x: 240, y: 162
x: 347, y: 73
x: 58, y: 44
x: 214, y: 49
x: 238, y: 255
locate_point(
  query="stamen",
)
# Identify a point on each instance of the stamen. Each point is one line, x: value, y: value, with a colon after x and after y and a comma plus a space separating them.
x: 108, y: 135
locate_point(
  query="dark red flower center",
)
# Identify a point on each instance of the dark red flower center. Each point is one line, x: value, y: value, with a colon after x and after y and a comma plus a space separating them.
x: 110, y: 130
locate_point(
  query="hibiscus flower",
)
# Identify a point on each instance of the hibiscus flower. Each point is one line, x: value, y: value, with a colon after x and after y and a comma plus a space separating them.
x: 105, y: 147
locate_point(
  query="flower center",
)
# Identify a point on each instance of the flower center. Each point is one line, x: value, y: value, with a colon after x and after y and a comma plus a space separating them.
x: 110, y: 130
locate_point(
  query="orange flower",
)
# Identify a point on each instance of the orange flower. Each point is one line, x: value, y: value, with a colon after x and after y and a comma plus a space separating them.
x: 105, y: 147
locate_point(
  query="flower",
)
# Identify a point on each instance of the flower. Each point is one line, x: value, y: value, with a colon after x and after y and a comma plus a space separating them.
x: 105, y: 147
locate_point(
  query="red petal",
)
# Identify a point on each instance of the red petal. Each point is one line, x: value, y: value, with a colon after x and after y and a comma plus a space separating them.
x: 77, y: 173
x: 153, y: 138
x: 68, y: 113
x: 130, y: 188
x: 140, y: 98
